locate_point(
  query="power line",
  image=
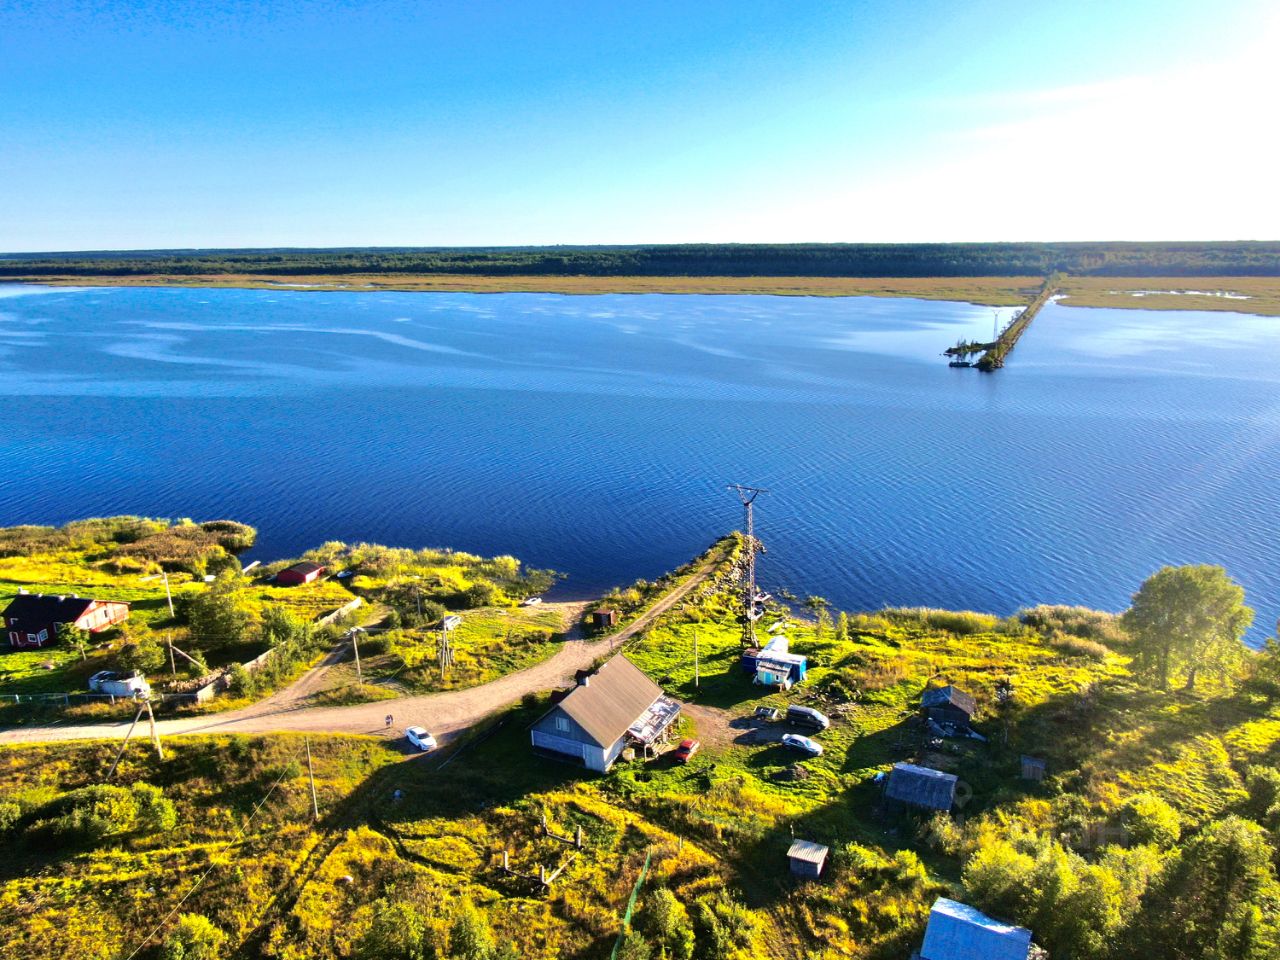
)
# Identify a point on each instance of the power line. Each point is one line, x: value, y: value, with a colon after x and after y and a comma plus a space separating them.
x: 201, y: 879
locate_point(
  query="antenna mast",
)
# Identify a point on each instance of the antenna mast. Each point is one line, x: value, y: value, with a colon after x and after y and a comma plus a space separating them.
x: 749, y: 616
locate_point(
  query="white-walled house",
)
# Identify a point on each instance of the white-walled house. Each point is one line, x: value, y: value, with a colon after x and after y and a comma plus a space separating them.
x: 615, y: 706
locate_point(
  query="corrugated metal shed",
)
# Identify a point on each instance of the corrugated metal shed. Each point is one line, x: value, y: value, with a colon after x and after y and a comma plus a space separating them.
x: 610, y: 700
x: 958, y: 931
x: 921, y: 787
x: 808, y: 851
x: 807, y: 858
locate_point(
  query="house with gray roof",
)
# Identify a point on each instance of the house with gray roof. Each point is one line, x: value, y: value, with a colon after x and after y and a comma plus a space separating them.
x: 921, y: 787
x: 609, y: 709
x: 957, y: 931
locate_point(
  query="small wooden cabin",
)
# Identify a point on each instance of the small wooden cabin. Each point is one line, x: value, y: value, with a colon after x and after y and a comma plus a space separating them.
x: 605, y: 618
x: 1033, y: 768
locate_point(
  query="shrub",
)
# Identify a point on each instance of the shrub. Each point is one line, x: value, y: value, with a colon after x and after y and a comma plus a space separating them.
x: 89, y: 815
x: 1095, y: 625
x: 1263, y: 784
x: 10, y: 814
x: 241, y: 682
x: 194, y: 938
x: 1073, y: 646
x: 959, y: 622
x: 1148, y: 819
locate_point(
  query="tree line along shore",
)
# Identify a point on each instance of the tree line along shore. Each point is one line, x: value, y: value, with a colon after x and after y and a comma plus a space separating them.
x: 1121, y: 798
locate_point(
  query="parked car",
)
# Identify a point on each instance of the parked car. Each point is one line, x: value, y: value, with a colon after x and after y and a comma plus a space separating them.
x: 807, y: 717
x: 797, y: 742
x: 451, y: 622
x: 420, y: 739
x: 767, y: 713
x: 530, y: 601
x: 684, y: 753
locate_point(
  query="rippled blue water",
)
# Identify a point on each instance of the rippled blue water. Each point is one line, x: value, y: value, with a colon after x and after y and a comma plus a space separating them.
x: 596, y: 434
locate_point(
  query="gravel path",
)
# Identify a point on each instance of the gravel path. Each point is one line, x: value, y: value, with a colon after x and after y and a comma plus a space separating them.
x: 444, y: 714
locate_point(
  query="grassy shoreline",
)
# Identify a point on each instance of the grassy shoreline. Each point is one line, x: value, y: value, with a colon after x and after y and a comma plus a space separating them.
x: 1256, y: 295
x: 986, y: 291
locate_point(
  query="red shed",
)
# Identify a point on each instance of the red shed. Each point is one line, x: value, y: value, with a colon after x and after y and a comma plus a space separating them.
x: 299, y: 573
x: 33, y: 619
x: 604, y: 618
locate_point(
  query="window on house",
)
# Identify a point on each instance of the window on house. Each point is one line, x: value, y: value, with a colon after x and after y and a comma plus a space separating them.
x: 562, y: 724
x: 43, y: 635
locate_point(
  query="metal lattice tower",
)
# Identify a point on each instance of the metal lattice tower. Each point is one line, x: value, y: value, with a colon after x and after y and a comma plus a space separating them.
x: 747, y: 495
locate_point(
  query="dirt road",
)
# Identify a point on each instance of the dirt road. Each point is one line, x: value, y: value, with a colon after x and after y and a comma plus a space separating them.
x: 444, y: 714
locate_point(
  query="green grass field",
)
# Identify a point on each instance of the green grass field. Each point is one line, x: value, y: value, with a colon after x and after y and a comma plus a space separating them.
x: 431, y: 831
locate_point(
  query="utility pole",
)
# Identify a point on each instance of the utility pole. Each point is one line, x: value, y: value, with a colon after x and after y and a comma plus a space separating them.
x: 311, y: 775
x: 697, y: 680
x: 124, y: 743
x: 167, y: 592
x: 355, y: 645
x: 747, y: 495
x: 155, y: 737
x: 173, y: 666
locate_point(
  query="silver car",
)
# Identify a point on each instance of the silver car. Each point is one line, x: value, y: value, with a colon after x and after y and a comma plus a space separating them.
x: 797, y: 742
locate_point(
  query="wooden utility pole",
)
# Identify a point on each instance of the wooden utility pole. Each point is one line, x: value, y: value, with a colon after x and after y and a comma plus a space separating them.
x: 173, y: 665
x: 124, y: 743
x: 155, y: 737
x: 355, y: 645
x: 311, y: 775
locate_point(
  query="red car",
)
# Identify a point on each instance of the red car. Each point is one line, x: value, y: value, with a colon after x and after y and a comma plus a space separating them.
x: 686, y: 750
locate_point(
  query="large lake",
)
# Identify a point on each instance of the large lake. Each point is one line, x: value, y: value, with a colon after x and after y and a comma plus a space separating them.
x: 596, y: 434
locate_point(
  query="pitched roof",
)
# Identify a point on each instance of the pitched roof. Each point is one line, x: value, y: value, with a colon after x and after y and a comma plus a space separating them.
x: 808, y: 852
x: 958, y: 931
x: 949, y: 695
x: 610, y: 700
x: 921, y: 786
x: 47, y: 608
x: 304, y: 567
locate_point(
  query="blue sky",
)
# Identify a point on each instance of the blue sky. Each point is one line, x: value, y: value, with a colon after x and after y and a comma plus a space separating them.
x: 130, y: 125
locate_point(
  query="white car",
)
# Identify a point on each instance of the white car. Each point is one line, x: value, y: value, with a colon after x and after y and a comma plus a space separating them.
x: 530, y: 601
x: 425, y: 741
x: 797, y: 742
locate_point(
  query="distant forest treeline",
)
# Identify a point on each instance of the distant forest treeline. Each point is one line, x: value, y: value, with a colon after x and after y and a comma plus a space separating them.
x: 687, y: 260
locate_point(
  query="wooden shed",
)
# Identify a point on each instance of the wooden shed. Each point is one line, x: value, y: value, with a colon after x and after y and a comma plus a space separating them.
x: 948, y: 704
x: 300, y: 573
x: 807, y: 858
x: 921, y: 787
x: 1033, y: 768
x: 604, y: 618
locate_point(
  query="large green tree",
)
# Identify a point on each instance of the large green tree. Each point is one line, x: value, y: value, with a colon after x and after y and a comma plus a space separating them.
x: 1220, y: 900
x: 1188, y: 621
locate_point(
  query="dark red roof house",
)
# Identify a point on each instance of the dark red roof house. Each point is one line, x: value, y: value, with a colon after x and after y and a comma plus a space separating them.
x: 32, y: 620
x: 300, y: 573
